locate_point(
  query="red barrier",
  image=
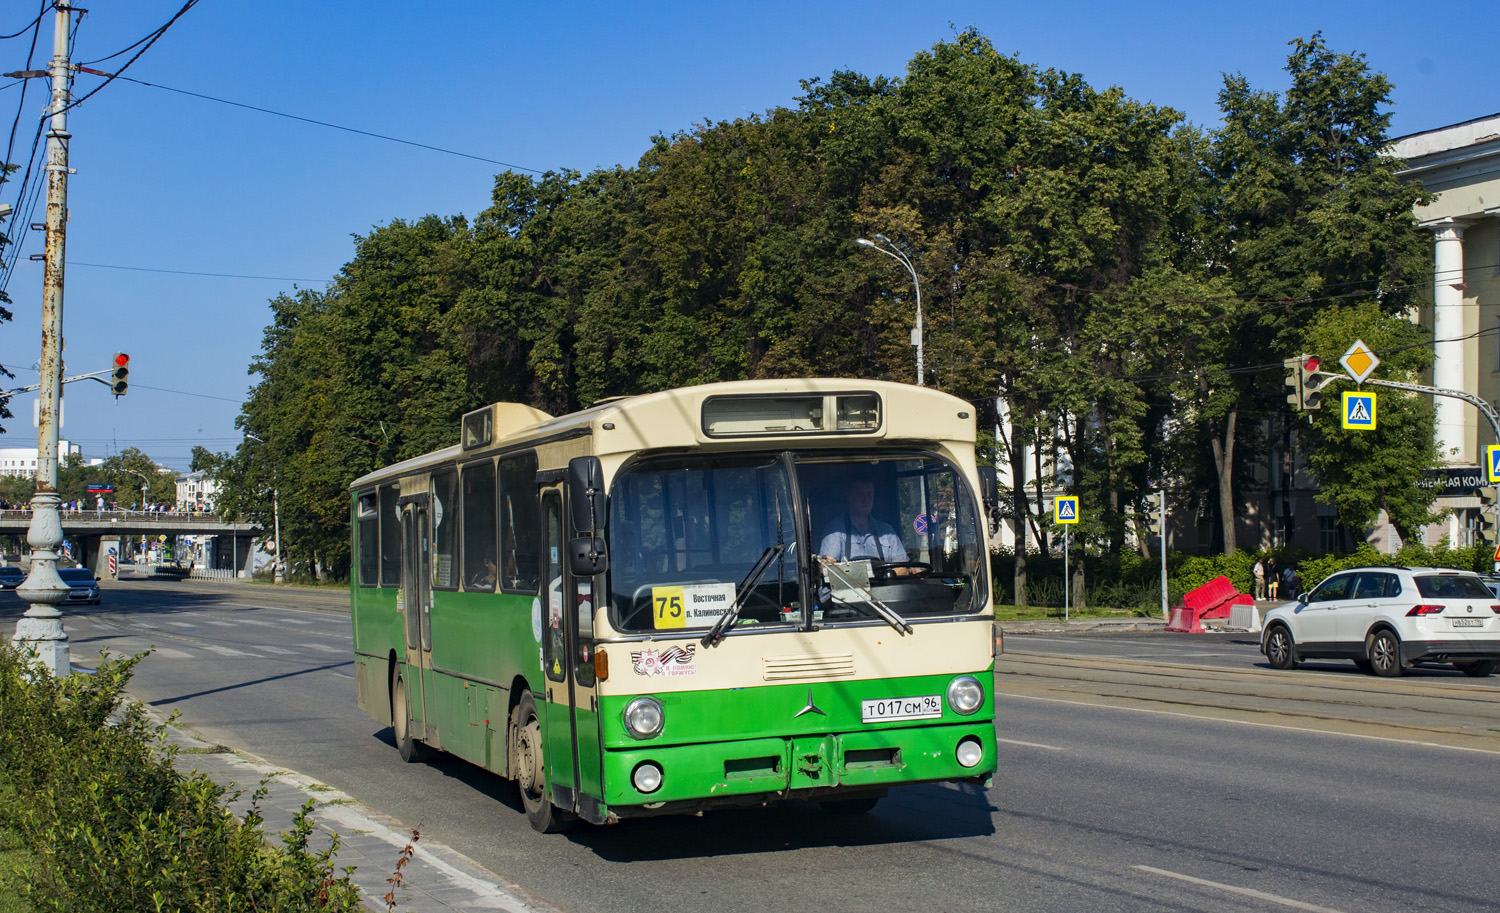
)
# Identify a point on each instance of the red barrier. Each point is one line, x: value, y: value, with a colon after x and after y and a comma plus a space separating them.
x: 1212, y: 600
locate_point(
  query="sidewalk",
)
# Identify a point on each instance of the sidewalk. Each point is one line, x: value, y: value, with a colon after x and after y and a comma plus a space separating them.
x: 438, y: 879
x: 1080, y: 625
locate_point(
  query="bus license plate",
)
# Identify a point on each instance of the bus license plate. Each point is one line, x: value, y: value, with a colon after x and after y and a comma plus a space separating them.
x: 1468, y: 622
x: 928, y: 707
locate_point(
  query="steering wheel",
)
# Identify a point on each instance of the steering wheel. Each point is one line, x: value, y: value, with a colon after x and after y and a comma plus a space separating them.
x: 916, y: 569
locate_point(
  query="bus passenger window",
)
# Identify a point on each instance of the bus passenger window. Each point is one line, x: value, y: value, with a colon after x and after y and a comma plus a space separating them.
x: 390, y: 537
x: 520, y: 518
x: 481, y: 563
x: 445, y: 526
x: 368, y: 519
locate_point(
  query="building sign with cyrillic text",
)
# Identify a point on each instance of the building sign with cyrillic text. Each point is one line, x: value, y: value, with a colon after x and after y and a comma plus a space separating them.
x: 1453, y: 483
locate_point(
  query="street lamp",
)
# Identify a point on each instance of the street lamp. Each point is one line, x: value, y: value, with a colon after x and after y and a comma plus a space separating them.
x: 276, y: 572
x: 145, y: 481
x: 895, y: 253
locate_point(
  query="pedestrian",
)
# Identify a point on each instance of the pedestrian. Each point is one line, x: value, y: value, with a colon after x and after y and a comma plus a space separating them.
x: 1288, y: 585
x: 1296, y: 584
x: 1273, y: 583
x: 1260, y: 580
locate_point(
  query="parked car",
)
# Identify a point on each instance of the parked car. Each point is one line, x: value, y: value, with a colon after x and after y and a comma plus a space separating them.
x: 84, y: 585
x: 1388, y: 618
x: 11, y: 577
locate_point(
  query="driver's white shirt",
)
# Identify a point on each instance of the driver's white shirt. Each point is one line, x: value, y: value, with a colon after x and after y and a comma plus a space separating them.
x: 842, y: 542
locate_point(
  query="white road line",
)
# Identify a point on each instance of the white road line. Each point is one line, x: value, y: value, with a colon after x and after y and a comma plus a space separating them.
x: 224, y: 651
x: 343, y: 675
x: 251, y: 621
x: 181, y: 624
x: 222, y: 624
x: 326, y: 648
x: 1246, y: 892
x: 169, y: 653
x: 1030, y: 744
x: 296, y: 621
x: 106, y: 626
x: 1220, y: 719
x: 280, y: 651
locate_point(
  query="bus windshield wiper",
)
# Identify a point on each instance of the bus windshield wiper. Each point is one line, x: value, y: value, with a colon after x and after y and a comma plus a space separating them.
x: 751, y: 579
x: 865, y: 596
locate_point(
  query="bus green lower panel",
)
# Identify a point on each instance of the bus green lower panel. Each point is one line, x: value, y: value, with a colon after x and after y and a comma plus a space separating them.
x: 878, y: 758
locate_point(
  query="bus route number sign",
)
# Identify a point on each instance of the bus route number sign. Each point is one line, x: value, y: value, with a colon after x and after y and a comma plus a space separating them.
x: 926, y: 707
x: 696, y: 605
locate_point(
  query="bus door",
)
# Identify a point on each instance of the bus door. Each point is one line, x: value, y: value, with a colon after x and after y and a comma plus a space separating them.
x: 570, y: 712
x: 416, y: 598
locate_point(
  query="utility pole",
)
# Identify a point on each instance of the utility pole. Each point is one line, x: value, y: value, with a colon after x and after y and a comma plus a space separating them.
x: 40, y: 629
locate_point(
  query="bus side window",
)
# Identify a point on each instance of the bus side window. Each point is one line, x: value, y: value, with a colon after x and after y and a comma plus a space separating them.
x: 390, y: 537
x: 445, y: 529
x: 520, y: 524
x: 369, y: 537
x: 480, y: 570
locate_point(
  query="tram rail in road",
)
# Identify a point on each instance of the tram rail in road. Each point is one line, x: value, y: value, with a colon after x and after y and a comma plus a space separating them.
x: 1427, y: 707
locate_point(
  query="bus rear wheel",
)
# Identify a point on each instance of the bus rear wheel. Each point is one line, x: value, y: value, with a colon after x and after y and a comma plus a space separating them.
x: 531, y: 769
x: 411, y: 749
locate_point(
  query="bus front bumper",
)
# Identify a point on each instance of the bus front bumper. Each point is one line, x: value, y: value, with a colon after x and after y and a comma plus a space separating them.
x: 751, y: 771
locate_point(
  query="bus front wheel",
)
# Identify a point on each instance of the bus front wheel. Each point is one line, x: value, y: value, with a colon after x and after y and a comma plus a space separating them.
x: 411, y: 749
x: 531, y: 769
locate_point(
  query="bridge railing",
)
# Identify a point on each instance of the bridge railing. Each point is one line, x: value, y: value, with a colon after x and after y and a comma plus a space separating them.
x: 165, y: 516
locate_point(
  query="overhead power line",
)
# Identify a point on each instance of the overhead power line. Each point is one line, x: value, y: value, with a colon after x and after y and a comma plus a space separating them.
x: 145, y: 45
x: 187, y: 272
x: 320, y: 123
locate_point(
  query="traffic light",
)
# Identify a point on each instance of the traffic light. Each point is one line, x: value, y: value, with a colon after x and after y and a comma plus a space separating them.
x: 1484, y: 527
x: 1294, y: 380
x: 1152, y: 513
x: 119, y: 374
x: 1306, y: 385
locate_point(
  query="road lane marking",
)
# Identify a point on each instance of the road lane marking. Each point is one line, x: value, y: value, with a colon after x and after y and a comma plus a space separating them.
x: 251, y: 621
x: 224, y: 651
x: 106, y: 626
x: 1220, y: 719
x: 169, y: 653
x: 222, y: 624
x: 1030, y: 744
x: 280, y: 651
x: 296, y: 621
x: 181, y: 624
x: 326, y: 648
x: 1246, y: 892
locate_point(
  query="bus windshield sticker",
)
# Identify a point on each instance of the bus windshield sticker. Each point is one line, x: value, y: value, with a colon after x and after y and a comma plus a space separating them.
x: 536, y: 618
x: 696, y: 605
x: 671, y: 662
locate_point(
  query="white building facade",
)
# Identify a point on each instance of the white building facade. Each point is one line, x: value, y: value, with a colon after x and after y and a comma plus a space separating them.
x: 20, y: 462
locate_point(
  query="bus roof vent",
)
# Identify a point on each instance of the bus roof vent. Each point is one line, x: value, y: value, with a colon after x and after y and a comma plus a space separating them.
x: 485, y: 426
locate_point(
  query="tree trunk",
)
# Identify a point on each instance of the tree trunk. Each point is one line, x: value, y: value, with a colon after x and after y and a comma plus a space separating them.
x: 1020, y: 510
x: 1041, y: 532
x: 1224, y: 466
x: 1080, y: 599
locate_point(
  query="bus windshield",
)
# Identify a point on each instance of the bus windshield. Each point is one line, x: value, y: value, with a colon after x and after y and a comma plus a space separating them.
x: 685, y: 532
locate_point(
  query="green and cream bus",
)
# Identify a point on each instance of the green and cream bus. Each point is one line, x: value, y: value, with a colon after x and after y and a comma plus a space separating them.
x: 720, y: 595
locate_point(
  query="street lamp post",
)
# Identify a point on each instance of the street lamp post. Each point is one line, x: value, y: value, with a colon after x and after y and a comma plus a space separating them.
x: 895, y: 253
x: 276, y: 565
x: 145, y: 483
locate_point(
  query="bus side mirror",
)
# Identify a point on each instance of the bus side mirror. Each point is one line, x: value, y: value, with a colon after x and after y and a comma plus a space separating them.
x: 989, y: 485
x: 587, y: 557
x: 586, y: 493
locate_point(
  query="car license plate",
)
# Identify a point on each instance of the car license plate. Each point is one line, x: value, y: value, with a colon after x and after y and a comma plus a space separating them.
x: 1468, y: 622
x: 928, y: 707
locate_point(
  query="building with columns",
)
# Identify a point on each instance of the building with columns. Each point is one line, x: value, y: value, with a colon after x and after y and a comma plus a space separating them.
x: 1460, y: 164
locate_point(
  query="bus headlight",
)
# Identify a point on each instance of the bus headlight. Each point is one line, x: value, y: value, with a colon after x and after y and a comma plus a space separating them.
x: 965, y: 694
x: 644, y: 718
x: 969, y: 752
x: 647, y: 777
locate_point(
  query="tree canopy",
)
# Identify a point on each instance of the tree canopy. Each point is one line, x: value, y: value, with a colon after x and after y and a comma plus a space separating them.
x: 1121, y: 285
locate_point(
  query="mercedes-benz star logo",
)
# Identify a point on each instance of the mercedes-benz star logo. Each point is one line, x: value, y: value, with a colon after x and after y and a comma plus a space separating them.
x: 810, y: 708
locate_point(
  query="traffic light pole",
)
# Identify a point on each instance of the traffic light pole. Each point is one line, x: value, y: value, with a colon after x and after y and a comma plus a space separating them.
x: 40, y: 630
x: 1162, y: 547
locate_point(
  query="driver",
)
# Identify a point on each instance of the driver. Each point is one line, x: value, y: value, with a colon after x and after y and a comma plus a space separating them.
x: 857, y: 534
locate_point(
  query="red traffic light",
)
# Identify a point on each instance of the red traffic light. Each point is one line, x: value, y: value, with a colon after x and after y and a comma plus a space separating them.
x: 121, y: 359
x: 1312, y: 363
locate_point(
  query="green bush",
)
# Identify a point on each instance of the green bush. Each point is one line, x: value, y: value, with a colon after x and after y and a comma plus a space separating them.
x: 1314, y: 570
x: 113, y: 826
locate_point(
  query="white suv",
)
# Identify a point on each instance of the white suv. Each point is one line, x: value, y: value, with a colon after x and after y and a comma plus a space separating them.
x: 1387, y: 618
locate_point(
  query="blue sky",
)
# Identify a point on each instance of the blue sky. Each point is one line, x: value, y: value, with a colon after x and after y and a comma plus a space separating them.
x: 169, y: 182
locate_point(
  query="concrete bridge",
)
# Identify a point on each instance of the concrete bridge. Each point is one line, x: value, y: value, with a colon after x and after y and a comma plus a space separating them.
x: 94, y: 531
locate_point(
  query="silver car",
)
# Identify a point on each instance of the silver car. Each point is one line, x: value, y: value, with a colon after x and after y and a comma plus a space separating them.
x: 83, y: 586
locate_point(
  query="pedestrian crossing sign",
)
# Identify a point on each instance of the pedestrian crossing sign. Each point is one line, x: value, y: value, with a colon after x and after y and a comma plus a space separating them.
x: 1493, y: 453
x: 1065, y: 509
x: 1359, y: 410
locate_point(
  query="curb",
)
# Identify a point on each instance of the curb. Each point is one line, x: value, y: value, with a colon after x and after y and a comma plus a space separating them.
x: 437, y: 878
x: 1083, y: 626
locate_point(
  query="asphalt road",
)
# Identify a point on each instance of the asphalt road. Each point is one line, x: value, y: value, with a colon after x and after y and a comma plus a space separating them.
x: 1134, y: 776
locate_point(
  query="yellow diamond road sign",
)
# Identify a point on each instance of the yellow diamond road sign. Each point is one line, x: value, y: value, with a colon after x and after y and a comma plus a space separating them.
x: 1359, y: 361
